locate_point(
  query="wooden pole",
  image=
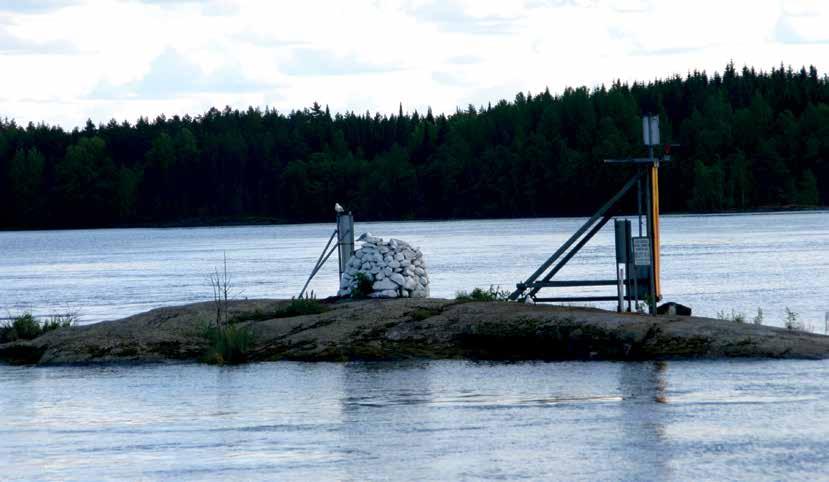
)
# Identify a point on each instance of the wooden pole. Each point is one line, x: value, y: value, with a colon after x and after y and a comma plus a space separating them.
x: 345, y: 239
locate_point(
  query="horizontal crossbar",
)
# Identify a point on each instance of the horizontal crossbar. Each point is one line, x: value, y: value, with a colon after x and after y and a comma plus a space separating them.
x: 566, y: 283
x: 577, y: 298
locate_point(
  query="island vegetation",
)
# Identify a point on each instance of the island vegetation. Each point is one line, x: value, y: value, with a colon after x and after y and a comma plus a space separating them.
x: 748, y: 139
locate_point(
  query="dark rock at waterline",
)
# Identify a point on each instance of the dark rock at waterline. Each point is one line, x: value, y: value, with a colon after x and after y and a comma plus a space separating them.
x: 672, y: 308
x: 417, y: 328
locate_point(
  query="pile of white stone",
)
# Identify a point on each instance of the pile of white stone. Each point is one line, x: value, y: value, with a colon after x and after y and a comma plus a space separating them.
x: 394, y: 267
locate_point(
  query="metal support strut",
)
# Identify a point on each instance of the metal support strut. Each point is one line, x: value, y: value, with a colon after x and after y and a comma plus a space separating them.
x: 344, y: 246
x: 602, y: 216
x: 639, y: 256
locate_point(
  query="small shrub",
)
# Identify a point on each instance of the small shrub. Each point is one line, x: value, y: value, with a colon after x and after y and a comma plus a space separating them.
x: 363, y: 288
x: 222, y: 284
x: 7, y: 333
x: 791, y: 322
x: 492, y: 294
x: 758, y: 320
x: 59, y: 321
x: 308, y: 305
x: 733, y: 316
x: 26, y: 327
x: 228, y: 345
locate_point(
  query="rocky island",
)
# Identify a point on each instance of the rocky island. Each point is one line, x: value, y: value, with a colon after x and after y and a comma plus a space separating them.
x: 389, y: 329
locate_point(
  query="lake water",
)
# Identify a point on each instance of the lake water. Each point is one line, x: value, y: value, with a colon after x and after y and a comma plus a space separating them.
x: 450, y: 420
x: 422, y: 420
x: 711, y: 263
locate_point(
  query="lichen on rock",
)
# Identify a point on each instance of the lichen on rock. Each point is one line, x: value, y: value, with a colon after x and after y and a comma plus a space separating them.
x: 395, y: 268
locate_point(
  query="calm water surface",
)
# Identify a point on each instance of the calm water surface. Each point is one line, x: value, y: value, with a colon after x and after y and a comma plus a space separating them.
x: 748, y: 420
x: 712, y: 263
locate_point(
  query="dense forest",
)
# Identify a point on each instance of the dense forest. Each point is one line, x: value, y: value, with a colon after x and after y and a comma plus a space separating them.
x: 747, y: 139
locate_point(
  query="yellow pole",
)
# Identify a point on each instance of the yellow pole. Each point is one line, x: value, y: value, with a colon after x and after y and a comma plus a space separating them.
x: 655, y: 217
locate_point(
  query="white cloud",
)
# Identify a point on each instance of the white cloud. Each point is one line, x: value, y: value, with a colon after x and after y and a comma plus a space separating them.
x: 67, y: 60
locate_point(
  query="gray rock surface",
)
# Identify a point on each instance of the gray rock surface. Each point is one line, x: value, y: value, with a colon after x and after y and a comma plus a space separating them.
x: 418, y: 328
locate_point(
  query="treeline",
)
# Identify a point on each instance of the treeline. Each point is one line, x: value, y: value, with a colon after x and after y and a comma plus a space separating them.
x: 748, y: 139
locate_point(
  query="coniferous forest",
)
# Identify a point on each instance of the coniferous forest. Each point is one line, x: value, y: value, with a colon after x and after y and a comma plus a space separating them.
x: 747, y: 139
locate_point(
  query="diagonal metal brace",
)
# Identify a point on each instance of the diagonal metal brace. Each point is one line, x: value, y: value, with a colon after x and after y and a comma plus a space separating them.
x: 601, y: 213
x: 607, y: 217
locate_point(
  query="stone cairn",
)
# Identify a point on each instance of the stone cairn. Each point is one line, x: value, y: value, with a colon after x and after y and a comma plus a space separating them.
x: 394, y: 267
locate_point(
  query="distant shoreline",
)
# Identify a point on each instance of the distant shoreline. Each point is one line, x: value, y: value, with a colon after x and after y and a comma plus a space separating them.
x: 264, y: 221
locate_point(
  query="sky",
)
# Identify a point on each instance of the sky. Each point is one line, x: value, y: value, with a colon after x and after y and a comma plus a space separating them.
x: 65, y: 61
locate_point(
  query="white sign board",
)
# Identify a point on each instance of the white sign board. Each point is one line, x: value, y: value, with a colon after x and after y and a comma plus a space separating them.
x: 650, y: 130
x: 641, y: 251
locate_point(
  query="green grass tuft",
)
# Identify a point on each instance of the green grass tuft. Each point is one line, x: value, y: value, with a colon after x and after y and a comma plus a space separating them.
x: 421, y: 314
x: 297, y: 307
x: 27, y: 327
x: 364, y: 286
x: 494, y: 293
x: 228, y: 345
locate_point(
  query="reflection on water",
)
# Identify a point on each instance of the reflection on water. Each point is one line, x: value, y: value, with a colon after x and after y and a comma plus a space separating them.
x: 644, y: 387
x: 418, y: 420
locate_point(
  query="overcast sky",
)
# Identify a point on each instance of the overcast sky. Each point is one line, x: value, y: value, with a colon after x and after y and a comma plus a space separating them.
x: 63, y: 61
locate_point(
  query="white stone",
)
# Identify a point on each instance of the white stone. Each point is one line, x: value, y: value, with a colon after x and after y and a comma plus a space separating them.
x: 368, y: 238
x: 384, y: 284
x: 410, y: 284
x: 395, y: 268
